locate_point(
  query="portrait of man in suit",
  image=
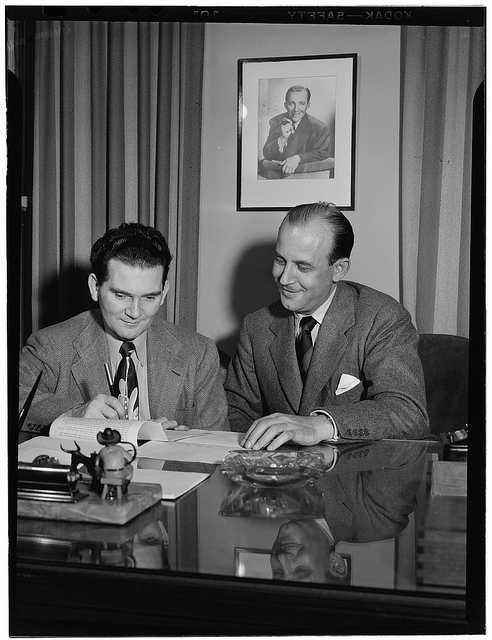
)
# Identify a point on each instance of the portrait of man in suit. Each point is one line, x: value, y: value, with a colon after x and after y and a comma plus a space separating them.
x: 297, y: 141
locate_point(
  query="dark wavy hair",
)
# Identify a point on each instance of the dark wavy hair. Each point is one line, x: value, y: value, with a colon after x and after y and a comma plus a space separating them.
x: 343, y: 234
x: 134, y: 244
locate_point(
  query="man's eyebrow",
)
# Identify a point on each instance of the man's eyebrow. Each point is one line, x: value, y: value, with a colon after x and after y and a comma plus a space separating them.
x: 304, y: 263
x: 130, y: 295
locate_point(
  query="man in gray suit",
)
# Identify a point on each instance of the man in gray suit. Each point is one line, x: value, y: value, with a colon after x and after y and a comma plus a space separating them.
x: 356, y: 375
x: 177, y: 370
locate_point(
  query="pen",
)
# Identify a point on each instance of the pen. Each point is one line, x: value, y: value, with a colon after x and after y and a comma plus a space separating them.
x: 108, y: 376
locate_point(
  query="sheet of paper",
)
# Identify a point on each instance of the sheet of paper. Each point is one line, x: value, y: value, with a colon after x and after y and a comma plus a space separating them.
x: 174, y: 483
x: 190, y: 450
x: 201, y: 436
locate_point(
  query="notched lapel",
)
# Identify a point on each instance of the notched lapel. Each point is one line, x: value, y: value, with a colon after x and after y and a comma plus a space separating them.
x: 329, y: 349
x: 299, y: 137
x: 282, y: 350
x: 93, y: 351
x: 165, y: 372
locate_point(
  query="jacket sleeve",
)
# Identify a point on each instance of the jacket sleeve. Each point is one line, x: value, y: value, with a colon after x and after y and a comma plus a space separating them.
x: 242, y: 386
x: 270, y: 148
x: 41, y: 354
x: 389, y: 402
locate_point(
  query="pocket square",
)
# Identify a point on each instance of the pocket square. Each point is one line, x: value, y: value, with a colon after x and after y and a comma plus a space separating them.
x: 346, y: 383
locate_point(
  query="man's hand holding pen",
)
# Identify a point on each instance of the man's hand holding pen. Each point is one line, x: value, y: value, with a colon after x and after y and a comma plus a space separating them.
x: 102, y: 406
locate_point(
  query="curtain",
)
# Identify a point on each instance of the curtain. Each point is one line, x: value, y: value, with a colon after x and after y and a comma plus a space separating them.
x: 117, y: 121
x: 442, y: 68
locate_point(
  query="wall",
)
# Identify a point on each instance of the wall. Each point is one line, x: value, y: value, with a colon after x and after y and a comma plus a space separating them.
x: 235, y: 250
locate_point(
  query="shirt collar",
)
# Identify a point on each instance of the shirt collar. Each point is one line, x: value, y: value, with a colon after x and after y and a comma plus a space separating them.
x: 140, y: 348
x: 320, y: 312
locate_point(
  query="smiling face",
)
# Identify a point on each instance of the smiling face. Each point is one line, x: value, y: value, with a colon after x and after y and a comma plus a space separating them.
x: 296, y: 104
x: 130, y: 298
x: 301, y: 266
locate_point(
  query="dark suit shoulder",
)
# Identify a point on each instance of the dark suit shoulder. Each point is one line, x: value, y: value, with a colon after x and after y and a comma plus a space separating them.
x: 314, y: 123
x: 369, y: 298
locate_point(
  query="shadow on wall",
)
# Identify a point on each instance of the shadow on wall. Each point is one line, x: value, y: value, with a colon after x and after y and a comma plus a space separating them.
x: 65, y: 295
x: 253, y: 288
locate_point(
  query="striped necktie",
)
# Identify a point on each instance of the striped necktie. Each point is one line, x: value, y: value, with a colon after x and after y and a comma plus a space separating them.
x: 125, y: 386
x: 304, y: 345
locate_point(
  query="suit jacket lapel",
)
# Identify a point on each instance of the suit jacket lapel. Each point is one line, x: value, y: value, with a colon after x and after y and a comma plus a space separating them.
x: 330, y: 345
x: 283, y: 352
x: 165, y: 371
x: 92, y: 348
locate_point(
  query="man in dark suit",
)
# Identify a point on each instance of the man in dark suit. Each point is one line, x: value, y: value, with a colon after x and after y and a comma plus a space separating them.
x: 296, y: 137
x: 177, y: 370
x: 331, y: 360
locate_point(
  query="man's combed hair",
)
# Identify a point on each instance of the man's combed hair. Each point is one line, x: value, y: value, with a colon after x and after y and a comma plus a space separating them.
x: 131, y: 243
x: 343, y: 234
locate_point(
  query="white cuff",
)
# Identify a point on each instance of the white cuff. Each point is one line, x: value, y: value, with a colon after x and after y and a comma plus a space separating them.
x: 318, y: 412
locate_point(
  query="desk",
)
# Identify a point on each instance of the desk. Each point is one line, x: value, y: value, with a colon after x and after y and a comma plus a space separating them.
x: 201, y: 565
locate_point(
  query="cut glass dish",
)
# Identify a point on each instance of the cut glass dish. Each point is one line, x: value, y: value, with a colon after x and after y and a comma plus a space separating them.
x: 273, y: 468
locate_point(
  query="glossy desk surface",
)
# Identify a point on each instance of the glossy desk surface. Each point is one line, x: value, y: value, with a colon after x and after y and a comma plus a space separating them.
x: 377, y: 543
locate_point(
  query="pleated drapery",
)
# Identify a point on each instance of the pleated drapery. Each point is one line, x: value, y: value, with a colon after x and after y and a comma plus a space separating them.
x: 442, y: 68
x: 117, y: 121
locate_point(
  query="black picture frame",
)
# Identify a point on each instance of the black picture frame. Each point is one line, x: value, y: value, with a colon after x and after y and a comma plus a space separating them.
x: 326, y: 144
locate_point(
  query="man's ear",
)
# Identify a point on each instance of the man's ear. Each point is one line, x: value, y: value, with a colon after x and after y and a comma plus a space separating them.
x: 341, y: 269
x: 338, y: 568
x: 93, y: 287
x: 164, y: 292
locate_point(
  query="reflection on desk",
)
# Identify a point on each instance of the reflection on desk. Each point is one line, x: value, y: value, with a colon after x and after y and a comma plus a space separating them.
x: 358, y: 526
x: 333, y: 525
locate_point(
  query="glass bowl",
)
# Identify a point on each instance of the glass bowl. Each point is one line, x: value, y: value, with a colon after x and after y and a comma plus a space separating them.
x: 273, y: 468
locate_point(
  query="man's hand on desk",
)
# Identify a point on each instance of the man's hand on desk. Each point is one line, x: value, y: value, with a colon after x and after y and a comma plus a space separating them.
x: 101, y: 406
x: 278, y: 428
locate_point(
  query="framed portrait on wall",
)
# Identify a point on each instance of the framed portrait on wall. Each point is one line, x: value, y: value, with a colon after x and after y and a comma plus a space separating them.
x: 296, y: 131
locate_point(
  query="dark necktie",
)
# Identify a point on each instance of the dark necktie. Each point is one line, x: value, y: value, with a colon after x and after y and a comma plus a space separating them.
x: 125, y: 386
x: 304, y: 345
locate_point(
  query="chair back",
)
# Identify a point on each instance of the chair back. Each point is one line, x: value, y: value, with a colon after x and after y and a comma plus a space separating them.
x: 224, y: 359
x: 445, y: 364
